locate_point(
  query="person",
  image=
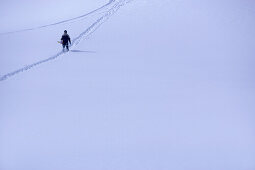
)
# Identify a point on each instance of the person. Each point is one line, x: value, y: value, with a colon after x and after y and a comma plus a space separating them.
x: 65, y: 39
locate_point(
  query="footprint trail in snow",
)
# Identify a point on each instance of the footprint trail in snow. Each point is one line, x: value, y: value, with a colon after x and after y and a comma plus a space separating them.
x: 112, y: 7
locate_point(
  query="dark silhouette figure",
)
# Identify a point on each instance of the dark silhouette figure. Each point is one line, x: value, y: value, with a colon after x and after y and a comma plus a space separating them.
x: 65, y: 39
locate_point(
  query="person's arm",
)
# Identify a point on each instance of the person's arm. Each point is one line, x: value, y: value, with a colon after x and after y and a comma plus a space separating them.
x: 69, y: 39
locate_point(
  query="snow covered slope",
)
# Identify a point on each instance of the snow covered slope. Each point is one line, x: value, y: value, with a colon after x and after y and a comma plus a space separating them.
x: 161, y: 85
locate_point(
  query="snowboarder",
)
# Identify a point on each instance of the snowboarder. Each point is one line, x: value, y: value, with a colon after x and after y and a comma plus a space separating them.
x: 65, y: 39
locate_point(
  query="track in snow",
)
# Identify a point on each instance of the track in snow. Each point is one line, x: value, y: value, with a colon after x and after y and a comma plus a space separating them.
x: 114, y: 6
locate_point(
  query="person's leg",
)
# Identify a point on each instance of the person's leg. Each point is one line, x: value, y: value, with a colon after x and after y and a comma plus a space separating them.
x: 64, y: 45
x: 67, y: 47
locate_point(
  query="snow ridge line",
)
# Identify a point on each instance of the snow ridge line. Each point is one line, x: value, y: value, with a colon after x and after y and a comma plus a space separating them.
x: 92, y: 28
x: 60, y: 22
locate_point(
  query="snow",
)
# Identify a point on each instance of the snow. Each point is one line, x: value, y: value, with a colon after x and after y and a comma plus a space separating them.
x: 151, y: 85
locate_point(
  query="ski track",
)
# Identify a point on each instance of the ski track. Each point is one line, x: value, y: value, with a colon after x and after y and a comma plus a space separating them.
x: 93, y: 27
x: 60, y: 22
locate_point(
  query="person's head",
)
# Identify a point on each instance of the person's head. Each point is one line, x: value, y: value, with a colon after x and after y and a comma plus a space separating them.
x: 65, y: 32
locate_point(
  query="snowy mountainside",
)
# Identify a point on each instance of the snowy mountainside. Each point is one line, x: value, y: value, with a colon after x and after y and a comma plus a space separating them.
x: 159, y: 85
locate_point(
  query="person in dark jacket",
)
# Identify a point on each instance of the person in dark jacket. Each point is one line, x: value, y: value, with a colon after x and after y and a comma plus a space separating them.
x: 65, y: 39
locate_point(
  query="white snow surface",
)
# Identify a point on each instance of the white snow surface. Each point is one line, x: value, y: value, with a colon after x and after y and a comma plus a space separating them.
x: 147, y: 85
